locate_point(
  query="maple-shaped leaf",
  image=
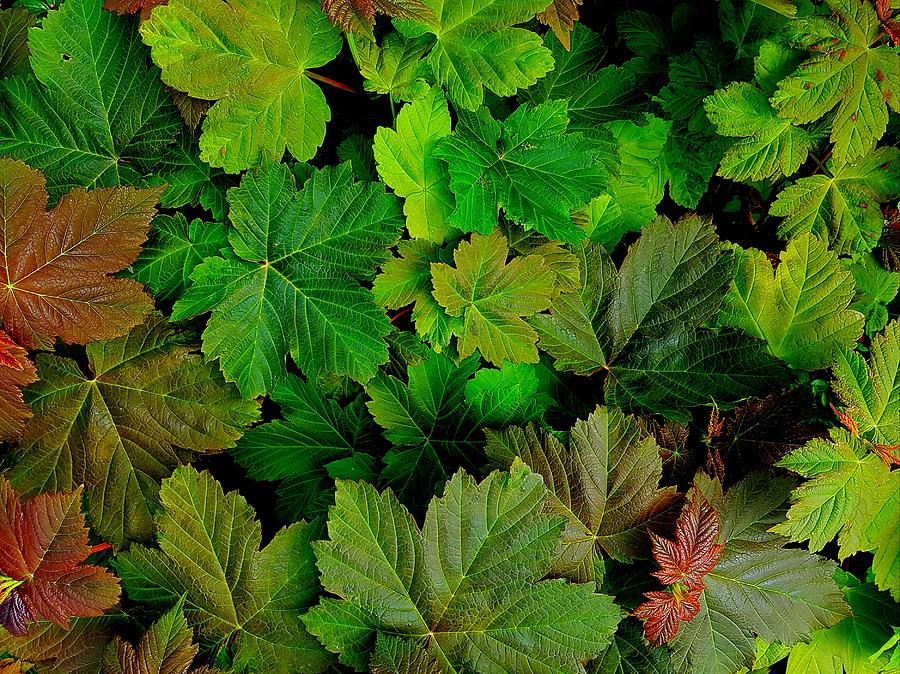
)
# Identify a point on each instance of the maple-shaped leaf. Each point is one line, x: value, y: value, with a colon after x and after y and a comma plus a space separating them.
x: 292, y: 269
x: 842, y: 205
x: 166, y: 648
x: 265, y: 98
x: 407, y: 163
x: 393, y: 67
x: 854, y: 644
x: 663, y: 611
x: 801, y: 309
x: 466, y: 586
x: 233, y: 592
x: 94, y: 112
x: 758, y: 587
x: 117, y: 428
x: 16, y: 371
x: 132, y: 6
x: 889, y: 23
x: 174, y: 249
x: 876, y: 288
x: 849, y: 72
x: 56, y: 266
x: 14, y: 25
x: 477, y: 48
x: 561, y: 16
x: 605, y: 484
x: 359, y: 15
x: 529, y: 165
x: 43, y: 546
x: 870, y: 391
x: 492, y: 297
x: 77, y: 649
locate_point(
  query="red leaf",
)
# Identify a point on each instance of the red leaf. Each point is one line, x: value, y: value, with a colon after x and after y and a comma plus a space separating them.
x: 15, y: 371
x: 890, y: 25
x: 665, y: 612
x: 359, y: 15
x: 132, y: 6
x: 43, y: 543
x: 694, y: 553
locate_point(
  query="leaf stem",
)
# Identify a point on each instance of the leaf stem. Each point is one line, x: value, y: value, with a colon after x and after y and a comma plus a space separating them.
x: 327, y: 80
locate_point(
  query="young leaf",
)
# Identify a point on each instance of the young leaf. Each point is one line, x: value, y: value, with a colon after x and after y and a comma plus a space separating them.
x: 265, y: 98
x: 94, y: 113
x: 466, y: 586
x: 293, y: 269
x: 561, y: 16
x: 605, y: 484
x: 394, y: 67
x: 16, y: 371
x: 848, y: 72
x: 842, y: 206
x: 56, y: 266
x: 802, y: 310
x: 116, y: 429
x: 876, y: 287
x: 43, y: 544
x: 233, y: 591
x: 359, y: 15
x: 492, y: 297
x: 407, y: 162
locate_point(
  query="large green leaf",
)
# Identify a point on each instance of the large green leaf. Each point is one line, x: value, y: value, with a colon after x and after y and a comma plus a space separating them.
x: 94, y: 113
x: 290, y: 282
x: 605, y: 484
x: 801, y: 310
x: 466, y: 586
x: 251, y: 57
x: 234, y: 592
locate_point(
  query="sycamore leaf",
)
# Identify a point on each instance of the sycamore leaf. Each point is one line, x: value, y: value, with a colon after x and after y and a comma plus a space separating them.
x: 605, y: 484
x: 16, y: 371
x: 174, y: 249
x: 844, y: 205
x: 407, y: 162
x: 769, y: 146
x: 801, y: 310
x: 292, y: 272
x: 492, y: 297
x: 876, y: 287
x: 871, y: 391
x: 395, y: 655
x: 94, y: 112
x: 233, y: 591
x: 561, y: 16
x: 506, y: 396
x: 56, y: 266
x: 265, y: 99
x: 190, y: 181
x: 14, y: 25
x: 529, y: 165
x: 849, y: 73
x: 477, y: 48
x: 76, y: 650
x: 466, y: 586
x: 394, y: 67
x: 758, y: 587
x: 359, y: 15
x: 116, y: 429
x: 852, y: 645
x: 43, y: 544
x: 132, y: 6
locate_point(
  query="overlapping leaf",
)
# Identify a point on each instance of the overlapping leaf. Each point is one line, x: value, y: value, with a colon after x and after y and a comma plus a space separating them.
x: 466, y: 586
x: 14, y: 25
x: 251, y: 57
x: 290, y: 280
x: 16, y: 371
x: 56, y: 266
x: 116, y: 429
x: 76, y: 650
x: 359, y: 15
x: 43, y: 547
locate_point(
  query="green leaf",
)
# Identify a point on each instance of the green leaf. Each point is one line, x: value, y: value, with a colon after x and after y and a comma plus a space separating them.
x: 757, y: 588
x: 394, y: 67
x: 871, y: 391
x: 477, y: 48
x: 117, y: 429
x: 14, y: 25
x: 172, y: 252
x: 529, y: 165
x: 466, y: 586
x: 394, y: 655
x: 492, y: 297
x: 769, y: 146
x: 252, y: 57
x: 408, y: 164
x: 629, y: 653
x: 842, y: 206
x: 846, y: 74
x: 508, y: 395
x: 605, y: 484
x: 876, y: 287
x: 293, y: 274
x: 94, y: 113
x: 233, y: 591
x: 802, y: 310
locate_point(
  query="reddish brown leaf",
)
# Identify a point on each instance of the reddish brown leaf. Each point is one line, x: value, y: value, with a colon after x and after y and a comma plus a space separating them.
x: 77, y: 650
x: 132, y: 6
x: 56, y: 266
x: 43, y: 543
x: 890, y: 25
x: 10, y: 666
x: 359, y: 15
x: 665, y: 611
x: 191, y: 109
x: 561, y: 16
x: 15, y: 372
x: 694, y: 552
